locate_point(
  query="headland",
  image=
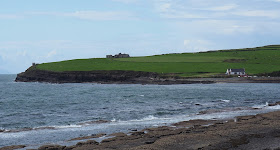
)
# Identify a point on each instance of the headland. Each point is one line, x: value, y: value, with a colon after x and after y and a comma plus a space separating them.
x: 258, y: 65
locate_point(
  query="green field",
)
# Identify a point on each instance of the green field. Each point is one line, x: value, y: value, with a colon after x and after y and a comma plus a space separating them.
x: 255, y: 60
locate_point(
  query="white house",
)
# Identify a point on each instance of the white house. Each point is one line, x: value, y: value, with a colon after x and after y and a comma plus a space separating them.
x: 236, y: 72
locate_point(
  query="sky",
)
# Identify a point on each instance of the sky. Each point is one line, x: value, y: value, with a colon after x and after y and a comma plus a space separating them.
x: 43, y: 31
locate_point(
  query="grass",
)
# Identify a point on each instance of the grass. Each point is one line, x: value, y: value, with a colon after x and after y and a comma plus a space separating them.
x: 255, y: 60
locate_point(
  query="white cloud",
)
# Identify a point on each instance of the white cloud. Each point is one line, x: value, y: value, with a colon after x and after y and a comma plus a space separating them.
x: 51, y: 53
x: 214, y: 9
x: 173, y: 10
x: 215, y: 28
x: 258, y: 13
x: 236, y: 29
x: 1, y: 60
x: 92, y: 15
x: 96, y: 15
x: 195, y: 45
x: 31, y: 44
x: 224, y: 7
x: 21, y: 53
x: 10, y: 16
x: 126, y: 1
x: 182, y: 15
x: 84, y: 15
x: 164, y: 7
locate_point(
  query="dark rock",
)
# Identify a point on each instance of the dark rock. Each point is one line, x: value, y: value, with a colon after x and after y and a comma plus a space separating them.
x: 88, y: 137
x: 51, y: 147
x: 12, y: 147
x: 120, y: 134
x: 274, y: 104
x: 138, y: 133
x: 108, y: 140
x: 89, y: 142
x: 150, y: 141
x: 69, y: 147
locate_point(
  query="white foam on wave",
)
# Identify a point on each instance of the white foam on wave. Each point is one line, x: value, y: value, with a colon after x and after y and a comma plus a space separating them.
x: 223, y: 114
x: 153, y: 120
x: 266, y: 106
x: 40, y: 129
x: 148, y: 118
x: 225, y: 100
x: 262, y: 106
x: 67, y: 126
x: 276, y: 107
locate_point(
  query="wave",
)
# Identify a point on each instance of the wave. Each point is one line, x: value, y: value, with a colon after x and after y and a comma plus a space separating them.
x: 154, y: 120
x: 40, y: 128
x: 225, y: 100
x: 222, y: 100
x: 94, y: 122
x: 148, y: 118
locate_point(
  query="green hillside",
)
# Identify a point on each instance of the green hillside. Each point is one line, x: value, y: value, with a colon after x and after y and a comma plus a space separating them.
x: 255, y: 60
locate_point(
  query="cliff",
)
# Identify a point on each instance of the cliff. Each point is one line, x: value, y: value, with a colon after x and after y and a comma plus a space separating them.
x: 101, y: 76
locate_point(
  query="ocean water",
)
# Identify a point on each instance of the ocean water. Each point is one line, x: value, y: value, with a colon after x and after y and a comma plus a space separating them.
x: 34, y: 114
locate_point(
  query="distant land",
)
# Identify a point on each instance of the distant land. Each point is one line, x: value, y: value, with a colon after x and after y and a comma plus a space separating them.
x: 258, y: 61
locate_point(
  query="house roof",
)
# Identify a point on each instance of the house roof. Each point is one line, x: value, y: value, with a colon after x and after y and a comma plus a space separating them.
x: 237, y: 70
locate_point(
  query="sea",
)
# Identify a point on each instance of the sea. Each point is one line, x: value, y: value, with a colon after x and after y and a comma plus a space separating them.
x: 35, y: 114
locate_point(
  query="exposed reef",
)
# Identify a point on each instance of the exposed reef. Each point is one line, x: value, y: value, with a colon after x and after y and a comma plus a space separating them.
x: 257, y: 132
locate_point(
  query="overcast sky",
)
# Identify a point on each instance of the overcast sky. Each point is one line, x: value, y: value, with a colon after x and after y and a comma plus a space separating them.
x: 54, y: 30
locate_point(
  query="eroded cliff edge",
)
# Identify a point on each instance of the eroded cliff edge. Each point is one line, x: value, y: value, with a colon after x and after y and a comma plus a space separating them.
x: 100, y: 76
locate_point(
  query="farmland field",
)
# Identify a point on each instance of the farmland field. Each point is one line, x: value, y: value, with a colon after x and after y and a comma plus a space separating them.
x: 255, y: 60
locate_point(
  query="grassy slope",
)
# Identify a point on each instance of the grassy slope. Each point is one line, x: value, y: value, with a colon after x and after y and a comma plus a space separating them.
x: 258, y: 60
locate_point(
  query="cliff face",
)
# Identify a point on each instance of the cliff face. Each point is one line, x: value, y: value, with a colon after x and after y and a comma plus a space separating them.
x: 113, y: 76
x: 35, y: 75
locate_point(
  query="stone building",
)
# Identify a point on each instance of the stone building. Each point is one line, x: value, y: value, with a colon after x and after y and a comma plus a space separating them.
x: 120, y: 55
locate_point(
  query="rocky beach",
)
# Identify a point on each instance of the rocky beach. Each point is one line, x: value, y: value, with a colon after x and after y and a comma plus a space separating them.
x: 258, y: 132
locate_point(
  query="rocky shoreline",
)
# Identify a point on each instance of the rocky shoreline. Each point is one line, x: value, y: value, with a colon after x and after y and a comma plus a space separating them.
x: 258, y: 132
x: 127, y: 77
x: 101, y: 76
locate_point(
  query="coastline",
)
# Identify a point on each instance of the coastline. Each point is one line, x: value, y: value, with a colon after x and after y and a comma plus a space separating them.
x: 127, y: 77
x: 261, y: 131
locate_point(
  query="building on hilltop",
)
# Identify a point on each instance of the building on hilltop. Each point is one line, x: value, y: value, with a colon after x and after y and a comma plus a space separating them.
x: 236, y: 72
x: 120, y: 55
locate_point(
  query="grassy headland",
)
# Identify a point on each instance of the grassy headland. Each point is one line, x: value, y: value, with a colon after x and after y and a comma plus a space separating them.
x: 204, y: 64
